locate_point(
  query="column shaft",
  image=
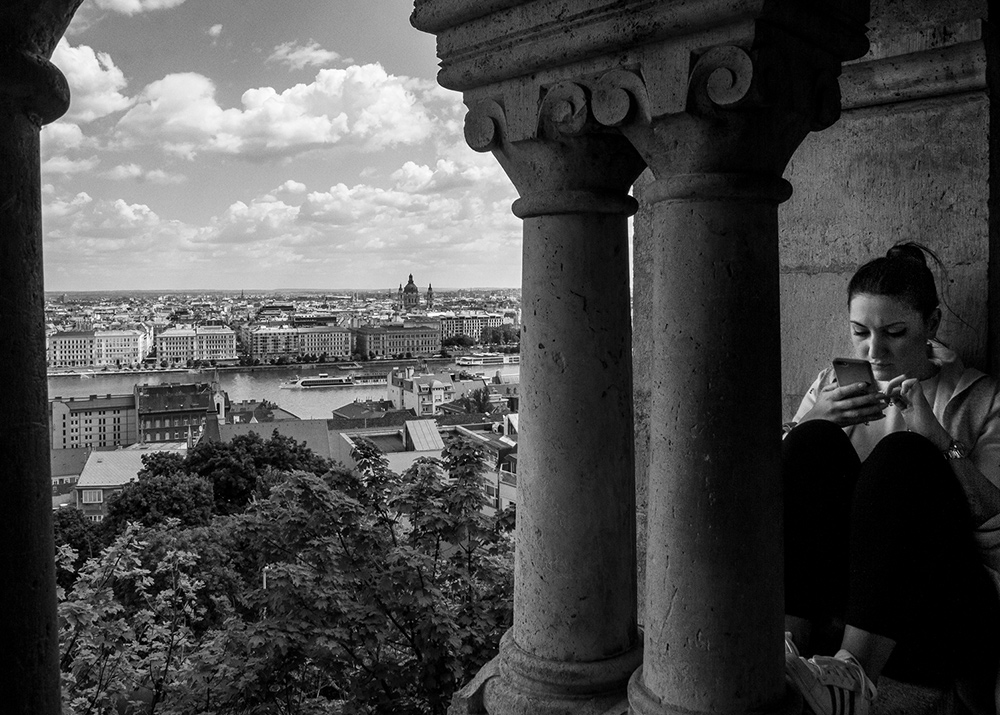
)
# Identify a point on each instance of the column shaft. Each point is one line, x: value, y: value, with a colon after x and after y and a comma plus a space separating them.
x: 574, y: 641
x: 30, y: 654
x: 714, y: 580
x: 576, y: 536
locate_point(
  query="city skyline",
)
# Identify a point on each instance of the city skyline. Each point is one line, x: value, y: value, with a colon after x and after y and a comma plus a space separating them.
x: 250, y: 144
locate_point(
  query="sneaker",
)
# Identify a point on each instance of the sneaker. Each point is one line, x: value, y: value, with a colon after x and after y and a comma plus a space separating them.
x: 830, y: 686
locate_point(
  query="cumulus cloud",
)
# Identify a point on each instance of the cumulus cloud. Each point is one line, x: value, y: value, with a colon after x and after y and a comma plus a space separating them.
x: 60, y: 137
x: 359, y: 106
x: 65, y: 165
x: 454, y: 212
x: 214, y: 31
x: 95, y: 82
x: 134, y: 7
x: 297, y: 57
x: 134, y: 172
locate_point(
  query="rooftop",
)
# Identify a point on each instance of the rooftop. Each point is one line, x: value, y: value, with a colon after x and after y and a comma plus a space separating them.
x: 115, y: 469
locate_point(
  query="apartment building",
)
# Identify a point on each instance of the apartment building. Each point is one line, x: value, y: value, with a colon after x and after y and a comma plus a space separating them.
x: 71, y: 349
x: 176, y: 345
x: 471, y: 324
x: 320, y: 339
x: 206, y: 343
x: 215, y: 342
x: 121, y: 347
x: 88, y: 348
x: 266, y: 342
x: 390, y: 340
x: 175, y: 412
x: 95, y: 421
x: 424, y: 394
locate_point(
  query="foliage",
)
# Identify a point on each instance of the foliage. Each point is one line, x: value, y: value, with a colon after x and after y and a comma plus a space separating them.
x: 503, y: 335
x: 73, y: 530
x: 155, y: 497
x: 458, y: 341
x: 345, y: 591
x: 113, y: 654
x: 235, y: 469
x: 476, y: 401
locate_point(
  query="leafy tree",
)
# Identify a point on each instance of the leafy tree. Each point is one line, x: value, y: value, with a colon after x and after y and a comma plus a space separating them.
x: 458, y: 341
x: 73, y: 530
x: 476, y: 401
x: 234, y: 468
x: 112, y: 655
x: 510, y: 334
x: 155, y: 497
x: 351, y: 591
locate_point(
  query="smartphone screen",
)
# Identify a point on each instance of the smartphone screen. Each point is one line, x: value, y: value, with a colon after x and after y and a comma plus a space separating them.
x: 850, y: 371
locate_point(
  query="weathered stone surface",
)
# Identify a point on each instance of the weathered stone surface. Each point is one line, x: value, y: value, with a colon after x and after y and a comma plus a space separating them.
x: 32, y: 92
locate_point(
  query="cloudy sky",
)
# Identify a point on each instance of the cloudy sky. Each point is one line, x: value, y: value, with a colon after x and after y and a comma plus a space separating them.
x: 232, y: 144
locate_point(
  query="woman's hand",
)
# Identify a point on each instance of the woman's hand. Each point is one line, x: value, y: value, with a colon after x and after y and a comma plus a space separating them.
x: 907, y: 394
x: 848, y: 405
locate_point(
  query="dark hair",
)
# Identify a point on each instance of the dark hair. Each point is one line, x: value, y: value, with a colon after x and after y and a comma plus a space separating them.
x: 902, y: 273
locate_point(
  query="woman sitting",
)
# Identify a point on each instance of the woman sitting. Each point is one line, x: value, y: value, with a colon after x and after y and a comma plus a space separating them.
x: 892, y: 505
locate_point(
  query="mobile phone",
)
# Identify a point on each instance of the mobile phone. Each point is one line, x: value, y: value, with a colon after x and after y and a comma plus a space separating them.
x: 850, y: 371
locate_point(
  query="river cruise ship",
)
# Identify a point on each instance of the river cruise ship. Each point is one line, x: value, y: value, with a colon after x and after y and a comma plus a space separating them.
x: 320, y: 380
x: 325, y: 380
x: 487, y: 360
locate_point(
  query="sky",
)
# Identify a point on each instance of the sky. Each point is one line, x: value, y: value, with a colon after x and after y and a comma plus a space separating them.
x: 265, y: 144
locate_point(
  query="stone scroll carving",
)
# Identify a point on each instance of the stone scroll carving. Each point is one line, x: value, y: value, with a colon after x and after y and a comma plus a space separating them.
x: 485, y: 125
x: 566, y: 109
x: 721, y: 78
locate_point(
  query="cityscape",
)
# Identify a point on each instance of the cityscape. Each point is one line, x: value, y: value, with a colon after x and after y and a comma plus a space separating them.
x: 407, y: 353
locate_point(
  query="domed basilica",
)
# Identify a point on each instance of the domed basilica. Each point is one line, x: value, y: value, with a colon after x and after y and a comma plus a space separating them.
x: 409, y: 296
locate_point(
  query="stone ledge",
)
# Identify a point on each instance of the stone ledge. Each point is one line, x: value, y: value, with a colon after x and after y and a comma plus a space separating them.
x: 937, y: 72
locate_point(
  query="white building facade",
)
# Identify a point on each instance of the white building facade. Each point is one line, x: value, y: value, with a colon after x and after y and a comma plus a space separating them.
x: 471, y: 324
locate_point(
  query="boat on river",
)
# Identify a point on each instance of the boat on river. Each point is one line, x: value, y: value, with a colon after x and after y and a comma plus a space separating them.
x: 320, y: 380
x: 487, y: 359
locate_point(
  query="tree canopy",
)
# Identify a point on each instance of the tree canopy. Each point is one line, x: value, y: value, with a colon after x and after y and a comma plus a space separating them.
x: 332, y: 591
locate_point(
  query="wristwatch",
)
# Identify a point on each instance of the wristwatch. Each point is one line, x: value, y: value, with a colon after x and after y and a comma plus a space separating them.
x: 956, y: 450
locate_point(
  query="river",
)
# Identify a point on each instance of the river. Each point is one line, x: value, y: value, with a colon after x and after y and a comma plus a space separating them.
x: 260, y: 384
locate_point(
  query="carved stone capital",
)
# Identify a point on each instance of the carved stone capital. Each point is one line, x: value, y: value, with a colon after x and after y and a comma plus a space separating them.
x: 709, y: 89
x: 562, y: 158
x: 33, y: 85
x: 747, y: 106
x: 29, y: 82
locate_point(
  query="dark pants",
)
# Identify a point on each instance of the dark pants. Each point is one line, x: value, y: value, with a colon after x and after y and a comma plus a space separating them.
x: 886, y: 545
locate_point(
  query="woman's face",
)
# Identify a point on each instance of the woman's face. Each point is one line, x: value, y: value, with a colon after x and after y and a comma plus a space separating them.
x: 892, y: 335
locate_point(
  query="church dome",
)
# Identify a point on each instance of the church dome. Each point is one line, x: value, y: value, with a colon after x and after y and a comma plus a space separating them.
x: 411, y: 287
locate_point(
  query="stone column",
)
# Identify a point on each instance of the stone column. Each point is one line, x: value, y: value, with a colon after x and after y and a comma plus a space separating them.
x: 574, y: 642
x: 32, y: 93
x: 714, y: 594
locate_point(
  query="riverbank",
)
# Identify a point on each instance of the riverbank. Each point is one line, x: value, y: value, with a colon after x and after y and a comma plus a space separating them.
x: 363, y: 366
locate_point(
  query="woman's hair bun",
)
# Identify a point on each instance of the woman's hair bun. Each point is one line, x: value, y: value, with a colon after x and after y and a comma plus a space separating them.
x: 909, y: 250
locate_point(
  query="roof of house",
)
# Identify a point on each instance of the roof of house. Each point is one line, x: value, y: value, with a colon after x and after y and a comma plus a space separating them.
x: 115, y: 469
x: 255, y: 411
x: 68, y: 462
x: 174, y: 398
x: 97, y: 402
x: 364, y: 409
x: 423, y: 436
x: 313, y: 433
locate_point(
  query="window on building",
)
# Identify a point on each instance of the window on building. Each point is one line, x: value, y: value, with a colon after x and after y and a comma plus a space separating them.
x: 93, y: 496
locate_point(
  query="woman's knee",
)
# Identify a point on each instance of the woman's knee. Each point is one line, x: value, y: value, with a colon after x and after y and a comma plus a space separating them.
x: 816, y: 440
x: 905, y: 466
